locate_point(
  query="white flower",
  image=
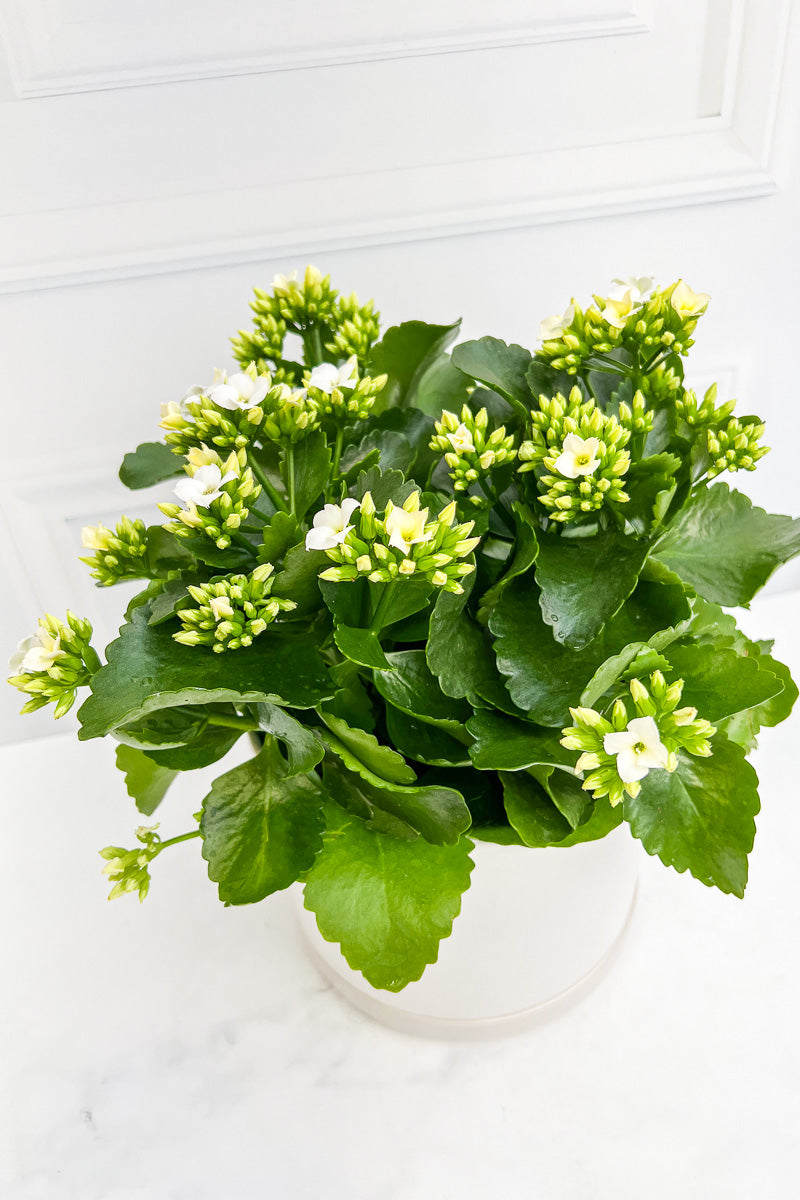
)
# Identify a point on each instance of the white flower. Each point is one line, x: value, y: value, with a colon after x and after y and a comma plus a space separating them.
x: 405, y: 529
x: 553, y: 327
x: 35, y: 653
x: 638, y: 287
x: 461, y: 440
x: 204, y: 486
x: 578, y: 456
x: 686, y: 302
x: 285, y: 283
x: 616, y: 312
x: 638, y: 749
x: 241, y: 391
x: 327, y: 376
x: 221, y: 607
x: 331, y: 525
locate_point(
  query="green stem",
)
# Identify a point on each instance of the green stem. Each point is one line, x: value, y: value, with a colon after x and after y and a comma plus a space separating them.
x: 290, y: 477
x: 230, y: 722
x: 242, y: 541
x: 337, y: 452
x: 91, y: 660
x: 266, y: 485
x: 376, y: 624
x: 183, y: 837
x: 312, y: 345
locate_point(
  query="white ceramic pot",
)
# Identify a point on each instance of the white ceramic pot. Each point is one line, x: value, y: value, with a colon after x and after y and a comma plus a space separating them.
x: 536, y: 927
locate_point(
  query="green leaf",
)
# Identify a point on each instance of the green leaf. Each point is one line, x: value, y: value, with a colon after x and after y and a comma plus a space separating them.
x: 601, y: 820
x: 385, y: 446
x: 725, y: 547
x: 545, y: 678
x: 148, y: 464
x: 360, y: 646
x: 312, y: 469
x: 566, y: 792
x: 170, y: 598
x: 303, y: 749
x: 279, y: 535
x: 531, y: 811
x: 365, y: 751
x: 147, y: 783
x: 166, y: 552
x: 720, y: 682
x: 387, y: 902
x: 261, y: 830
x: 743, y: 728
x: 384, y: 486
x: 422, y: 742
x: 208, y: 747
x: 410, y: 686
x: 299, y: 578
x: 504, y: 744
x: 438, y: 813
x: 526, y: 549
x: 608, y: 673
x: 148, y: 670
x: 700, y: 817
x: 584, y: 581
x: 161, y: 730
x: 442, y: 386
x: 404, y: 354
x: 460, y: 654
x: 347, y: 602
x: 500, y: 367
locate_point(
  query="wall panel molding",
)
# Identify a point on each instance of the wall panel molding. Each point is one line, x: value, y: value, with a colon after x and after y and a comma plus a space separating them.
x: 722, y: 156
x: 54, y: 50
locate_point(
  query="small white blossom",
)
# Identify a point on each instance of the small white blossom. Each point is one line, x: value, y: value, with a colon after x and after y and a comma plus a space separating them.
x: 331, y: 525
x: 405, y: 528
x: 638, y: 287
x: 578, y: 456
x: 204, y: 486
x: 35, y: 653
x: 241, y: 391
x: 616, y: 312
x: 553, y: 327
x: 686, y: 302
x: 285, y: 283
x: 221, y: 607
x: 638, y: 749
x: 328, y: 376
x: 461, y: 440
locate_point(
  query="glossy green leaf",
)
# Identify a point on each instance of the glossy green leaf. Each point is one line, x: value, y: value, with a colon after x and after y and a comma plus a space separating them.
x: 299, y: 578
x: 422, y: 742
x: 531, y: 811
x: 387, y: 902
x: 725, y: 547
x: 412, y: 687
x: 212, y: 744
x: 404, y: 354
x: 365, y: 751
x: 148, y: 464
x: 700, y: 817
x: 147, y: 783
x: 279, y: 535
x: 261, y: 830
x: 526, y: 549
x: 161, y: 730
x: 303, y: 748
x: 147, y: 670
x: 442, y: 386
x: 584, y: 581
x: 460, y: 654
x: 361, y: 646
x: 719, y: 682
x: 500, y: 367
x: 384, y: 486
x: 505, y: 744
x: 601, y: 820
x: 166, y: 552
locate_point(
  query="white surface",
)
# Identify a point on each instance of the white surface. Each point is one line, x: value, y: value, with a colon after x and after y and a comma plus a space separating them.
x: 533, y: 925
x: 183, y: 1051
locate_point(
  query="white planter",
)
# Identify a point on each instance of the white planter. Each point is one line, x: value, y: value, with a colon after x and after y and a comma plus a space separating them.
x: 535, y: 926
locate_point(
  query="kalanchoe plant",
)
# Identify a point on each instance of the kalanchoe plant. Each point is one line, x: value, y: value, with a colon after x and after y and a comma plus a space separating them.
x: 449, y: 597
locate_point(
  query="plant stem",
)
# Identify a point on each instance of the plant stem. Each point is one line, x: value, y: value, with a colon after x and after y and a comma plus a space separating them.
x: 312, y: 345
x: 376, y: 624
x: 242, y: 541
x: 290, y: 476
x: 91, y: 660
x: 230, y: 722
x: 337, y: 452
x: 266, y: 485
x: 183, y: 837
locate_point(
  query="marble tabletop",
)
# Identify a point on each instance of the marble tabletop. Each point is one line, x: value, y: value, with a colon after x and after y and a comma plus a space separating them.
x: 179, y: 1050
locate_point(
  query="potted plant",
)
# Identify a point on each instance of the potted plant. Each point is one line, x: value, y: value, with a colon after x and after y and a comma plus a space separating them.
x: 456, y: 599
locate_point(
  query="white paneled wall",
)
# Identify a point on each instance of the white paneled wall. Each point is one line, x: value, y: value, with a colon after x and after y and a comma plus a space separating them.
x: 159, y: 163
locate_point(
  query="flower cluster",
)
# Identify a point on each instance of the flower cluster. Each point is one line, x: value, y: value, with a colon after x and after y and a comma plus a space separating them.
x: 217, y: 496
x: 578, y: 454
x: 227, y: 414
x: 53, y: 663
x: 734, y: 446
x: 118, y: 554
x: 469, y: 449
x: 309, y: 307
x: 635, y: 316
x: 129, y: 870
x: 231, y: 611
x: 338, y: 392
x: 292, y: 416
x: 404, y: 543
x: 636, y: 417
x: 619, y: 751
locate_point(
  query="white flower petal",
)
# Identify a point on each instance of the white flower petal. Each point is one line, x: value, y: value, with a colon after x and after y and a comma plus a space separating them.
x: 629, y: 766
x: 321, y: 538
x: 325, y: 377
x: 565, y: 465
